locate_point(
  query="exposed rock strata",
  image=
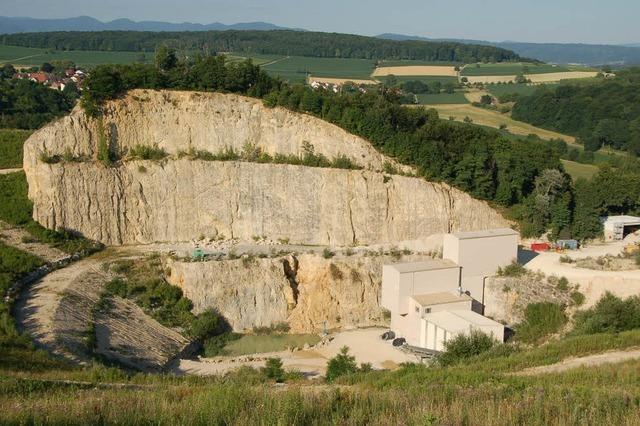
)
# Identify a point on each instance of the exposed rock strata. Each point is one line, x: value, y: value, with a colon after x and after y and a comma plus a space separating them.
x: 183, y: 200
x: 332, y: 293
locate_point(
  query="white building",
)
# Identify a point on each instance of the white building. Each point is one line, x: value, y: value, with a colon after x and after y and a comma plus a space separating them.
x: 433, y: 301
x: 618, y: 227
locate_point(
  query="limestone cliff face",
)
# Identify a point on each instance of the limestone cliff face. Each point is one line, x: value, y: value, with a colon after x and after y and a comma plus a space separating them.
x: 182, y: 200
x: 178, y: 121
x: 307, y: 291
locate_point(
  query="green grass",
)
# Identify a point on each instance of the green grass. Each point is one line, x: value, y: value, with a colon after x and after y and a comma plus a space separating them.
x: 30, y: 56
x: 251, y: 344
x: 442, y: 98
x: 296, y: 68
x: 499, y: 90
x: 11, y: 142
x: 424, y: 79
x: 510, y: 68
x: 579, y: 171
x: 256, y: 58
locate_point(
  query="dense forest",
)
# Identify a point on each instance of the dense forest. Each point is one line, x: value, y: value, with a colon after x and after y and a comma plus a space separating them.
x: 606, y: 113
x: 28, y: 105
x: 280, y: 42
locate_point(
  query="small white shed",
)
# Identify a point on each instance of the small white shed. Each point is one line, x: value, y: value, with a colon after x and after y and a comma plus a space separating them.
x: 439, y: 327
x: 618, y: 227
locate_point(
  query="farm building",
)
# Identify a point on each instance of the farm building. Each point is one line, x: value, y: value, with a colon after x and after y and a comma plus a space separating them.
x: 433, y: 301
x: 618, y: 227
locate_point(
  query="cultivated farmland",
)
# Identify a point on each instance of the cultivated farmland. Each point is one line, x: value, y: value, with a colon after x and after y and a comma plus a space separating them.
x: 24, y: 56
x: 421, y: 70
x: 297, y: 68
x: 510, y: 68
x: 489, y: 118
x: 338, y: 81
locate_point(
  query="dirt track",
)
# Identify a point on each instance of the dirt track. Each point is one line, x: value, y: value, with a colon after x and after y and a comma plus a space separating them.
x: 586, y: 361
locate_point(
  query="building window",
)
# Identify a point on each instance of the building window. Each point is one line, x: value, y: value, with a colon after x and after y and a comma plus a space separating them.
x: 417, y: 309
x: 427, y: 310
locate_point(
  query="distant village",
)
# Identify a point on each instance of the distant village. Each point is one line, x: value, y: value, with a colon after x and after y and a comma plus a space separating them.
x: 57, y: 80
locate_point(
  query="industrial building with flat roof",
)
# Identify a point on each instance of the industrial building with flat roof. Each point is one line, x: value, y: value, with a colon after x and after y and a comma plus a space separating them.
x: 618, y: 227
x: 433, y: 301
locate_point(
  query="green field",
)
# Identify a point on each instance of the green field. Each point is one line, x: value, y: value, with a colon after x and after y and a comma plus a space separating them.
x: 499, y: 90
x: 442, y: 98
x: 11, y: 142
x: 253, y: 344
x: 256, y: 58
x: 26, y: 56
x: 423, y: 78
x: 579, y: 171
x: 407, y: 63
x: 296, y: 68
x: 510, y: 68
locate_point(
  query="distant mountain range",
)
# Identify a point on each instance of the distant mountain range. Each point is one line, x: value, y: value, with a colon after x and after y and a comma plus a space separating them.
x: 12, y: 25
x: 559, y: 53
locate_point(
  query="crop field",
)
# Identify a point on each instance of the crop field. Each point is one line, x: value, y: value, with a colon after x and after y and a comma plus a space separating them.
x: 578, y: 170
x: 442, y: 98
x: 409, y: 62
x: 423, y: 70
x: 424, y: 78
x: 297, y: 68
x: 338, y: 81
x: 26, y: 56
x: 494, y: 119
x: 499, y: 90
x: 255, y: 58
x: 510, y: 68
x: 558, y: 76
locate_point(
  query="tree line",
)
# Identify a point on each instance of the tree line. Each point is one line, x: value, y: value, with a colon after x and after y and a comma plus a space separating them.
x: 280, y: 42
x: 602, y: 114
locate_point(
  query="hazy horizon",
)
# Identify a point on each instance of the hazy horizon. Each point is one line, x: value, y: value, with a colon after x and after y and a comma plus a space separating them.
x: 542, y: 21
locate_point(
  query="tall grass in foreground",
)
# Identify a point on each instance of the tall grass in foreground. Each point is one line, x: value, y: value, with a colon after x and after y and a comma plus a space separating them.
x: 521, y: 402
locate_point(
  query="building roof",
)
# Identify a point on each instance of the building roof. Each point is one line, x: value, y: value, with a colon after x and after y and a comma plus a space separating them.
x: 459, y: 321
x: 500, y: 232
x: 629, y: 220
x: 427, y: 265
x: 431, y: 299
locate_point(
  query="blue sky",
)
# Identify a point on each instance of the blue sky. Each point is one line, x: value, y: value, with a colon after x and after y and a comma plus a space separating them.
x: 587, y: 21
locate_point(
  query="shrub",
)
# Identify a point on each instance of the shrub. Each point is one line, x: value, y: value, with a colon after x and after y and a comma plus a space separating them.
x: 566, y: 259
x: 340, y: 365
x: 465, y: 346
x: 214, y: 346
x: 610, y: 315
x: 540, y: 320
x: 206, y: 324
x: 144, y: 152
x: 105, y: 156
x: 563, y: 284
x: 513, y: 270
x: 273, y: 370
x: 577, y: 298
x: 327, y: 253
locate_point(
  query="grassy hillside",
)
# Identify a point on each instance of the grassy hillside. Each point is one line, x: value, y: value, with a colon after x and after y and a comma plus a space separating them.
x: 24, y: 56
x: 510, y: 69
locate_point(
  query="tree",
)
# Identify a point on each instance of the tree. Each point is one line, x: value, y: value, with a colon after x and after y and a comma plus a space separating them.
x: 391, y: 80
x: 166, y: 58
x: 342, y: 364
x: 273, y: 370
x: 46, y: 67
x: 486, y: 99
x: 465, y: 346
x: 7, y: 71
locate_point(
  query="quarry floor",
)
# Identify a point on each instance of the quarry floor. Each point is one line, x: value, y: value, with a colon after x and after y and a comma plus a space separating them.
x: 364, y: 344
x: 593, y: 283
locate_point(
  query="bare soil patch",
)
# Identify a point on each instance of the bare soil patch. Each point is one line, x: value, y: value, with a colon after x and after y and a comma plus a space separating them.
x: 416, y: 70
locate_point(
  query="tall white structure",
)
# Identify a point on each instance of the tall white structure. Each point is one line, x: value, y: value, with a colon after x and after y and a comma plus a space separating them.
x: 433, y: 301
